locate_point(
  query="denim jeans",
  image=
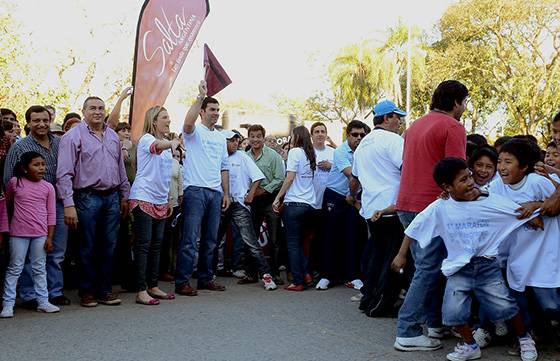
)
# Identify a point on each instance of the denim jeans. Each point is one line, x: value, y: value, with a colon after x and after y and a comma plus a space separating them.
x: 37, y: 259
x: 55, y: 279
x: 261, y: 210
x: 296, y: 217
x: 423, y: 301
x: 241, y: 218
x: 148, y: 236
x: 481, y: 278
x: 201, y: 215
x: 98, y: 226
x: 548, y: 300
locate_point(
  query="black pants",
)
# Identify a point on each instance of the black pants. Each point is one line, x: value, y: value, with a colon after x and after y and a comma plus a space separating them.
x: 261, y: 210
x: 343, y: 239
x: 382, y: 285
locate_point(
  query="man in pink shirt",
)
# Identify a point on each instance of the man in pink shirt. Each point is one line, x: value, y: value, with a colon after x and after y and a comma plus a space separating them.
x: 92, y: 183
x: 435, y: 136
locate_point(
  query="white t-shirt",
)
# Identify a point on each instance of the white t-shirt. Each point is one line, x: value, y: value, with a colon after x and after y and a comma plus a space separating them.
x: 321, y: 177
x: 533, y: 255
x: 242, y: 173
x: 206, y: 157
x: 468, y: 229
x: 153, y: 175
x: 301, y: 189
x: 377, y: 165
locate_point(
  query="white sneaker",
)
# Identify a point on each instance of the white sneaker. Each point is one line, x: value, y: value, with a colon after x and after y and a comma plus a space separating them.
x: 418, y: 343
x: 239, y: 274
x: 357, y: 297
x: 438, y: 332
x: 465, y: 352
x: 269, y: 284
x: 357, y: 284
x: 7, y: 312
x: 501, y: 328
x: 323, y: 284
x: 527, y: 348
x: 482, y: 337
x: 47, y: 307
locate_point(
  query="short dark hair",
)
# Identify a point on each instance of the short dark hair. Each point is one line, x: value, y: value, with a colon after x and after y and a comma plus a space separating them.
x: 556, y: 118
x: 355, y: 124
x: 208, y: 100
x: 528, y: 137
x: 446, y: 170
x: 315, y: 125
x: 121, y: 126
x: 256, y: 128
x: 484, y: 151
x: 552, y: 145
x: 379, y: 119
x: 501, y: 141
x: 447, y: 94
x: 6, y: 111
x: 70, y: 116
x: 526, y: 152
x: 93, y: 97
x: 35, y: 109
x: 477, y: 139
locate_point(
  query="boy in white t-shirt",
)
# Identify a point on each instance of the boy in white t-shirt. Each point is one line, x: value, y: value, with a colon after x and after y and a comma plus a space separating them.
x: 244, y: 179
x: 472, y: 225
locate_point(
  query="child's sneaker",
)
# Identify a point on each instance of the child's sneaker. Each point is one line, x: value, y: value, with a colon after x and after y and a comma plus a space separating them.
x: 356, y: 284
x: 464, y: 352
x: 47, y: 307
x: 269, y: 284
x: 482, y: 337
x: 527, y: 349
x: 418, y: 343
x: 438, y: 332
x: 7, y: 312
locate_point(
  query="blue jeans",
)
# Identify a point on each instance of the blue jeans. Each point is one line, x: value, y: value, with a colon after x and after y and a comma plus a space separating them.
x: 98, y: 225
x: 423, y: 301
x: 55, y: 278
x: 201, y: 213
x: 482, y: 278
x: 37, y: 258
x: 295, y: 218
x: 548, y: 300
x: 148, y: 236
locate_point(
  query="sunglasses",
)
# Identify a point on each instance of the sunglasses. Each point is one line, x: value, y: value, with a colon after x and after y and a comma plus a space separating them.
x: 356, y: 135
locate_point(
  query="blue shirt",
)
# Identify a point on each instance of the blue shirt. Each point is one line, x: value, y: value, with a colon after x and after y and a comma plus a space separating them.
x: 343, y: 158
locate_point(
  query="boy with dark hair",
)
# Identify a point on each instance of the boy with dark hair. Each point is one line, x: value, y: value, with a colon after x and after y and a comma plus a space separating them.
x: 472, y: 225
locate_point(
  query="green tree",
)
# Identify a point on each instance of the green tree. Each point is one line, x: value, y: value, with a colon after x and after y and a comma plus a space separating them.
x: 506, y: 51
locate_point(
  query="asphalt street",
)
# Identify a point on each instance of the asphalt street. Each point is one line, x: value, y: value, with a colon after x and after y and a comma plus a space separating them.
x: 243, y: 323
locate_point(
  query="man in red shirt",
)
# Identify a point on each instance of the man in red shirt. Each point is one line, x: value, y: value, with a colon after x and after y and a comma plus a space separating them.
x: 429, y: 139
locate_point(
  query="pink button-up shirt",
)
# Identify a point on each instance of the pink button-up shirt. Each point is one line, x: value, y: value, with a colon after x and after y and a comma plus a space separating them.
x: 88, y: 161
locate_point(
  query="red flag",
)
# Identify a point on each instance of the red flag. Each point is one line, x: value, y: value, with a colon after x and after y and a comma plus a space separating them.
x: 216, y: 77
x: 165, y: 34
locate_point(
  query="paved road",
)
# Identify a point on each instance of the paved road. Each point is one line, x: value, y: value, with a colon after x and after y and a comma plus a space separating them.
x: 244, y: 323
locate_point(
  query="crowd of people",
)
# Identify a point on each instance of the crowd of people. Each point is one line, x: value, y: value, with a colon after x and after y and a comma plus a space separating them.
x: 436, y: 227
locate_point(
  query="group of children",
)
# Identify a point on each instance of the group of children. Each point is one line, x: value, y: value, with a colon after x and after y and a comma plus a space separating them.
x: 501, y: 253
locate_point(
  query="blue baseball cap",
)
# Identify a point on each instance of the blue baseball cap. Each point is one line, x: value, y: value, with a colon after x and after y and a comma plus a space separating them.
x: 387, y: 107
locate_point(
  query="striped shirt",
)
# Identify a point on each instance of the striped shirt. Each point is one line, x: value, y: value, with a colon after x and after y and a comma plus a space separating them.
x: 30, y: 144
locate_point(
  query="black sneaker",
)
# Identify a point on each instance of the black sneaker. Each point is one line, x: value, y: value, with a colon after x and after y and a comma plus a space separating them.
x: 60, y: 300
x: 30, y: 305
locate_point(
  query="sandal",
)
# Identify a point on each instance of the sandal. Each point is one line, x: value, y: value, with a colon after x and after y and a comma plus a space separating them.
x: 167, y: 296
x: 151, y: 302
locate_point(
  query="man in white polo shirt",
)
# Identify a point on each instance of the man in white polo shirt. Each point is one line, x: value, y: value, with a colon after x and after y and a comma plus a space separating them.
x: 377, y: 166
x: 206, y: 193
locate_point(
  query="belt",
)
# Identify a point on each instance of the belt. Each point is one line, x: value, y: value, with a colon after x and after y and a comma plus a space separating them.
x: 296, y: 204
x: 99, y: 192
